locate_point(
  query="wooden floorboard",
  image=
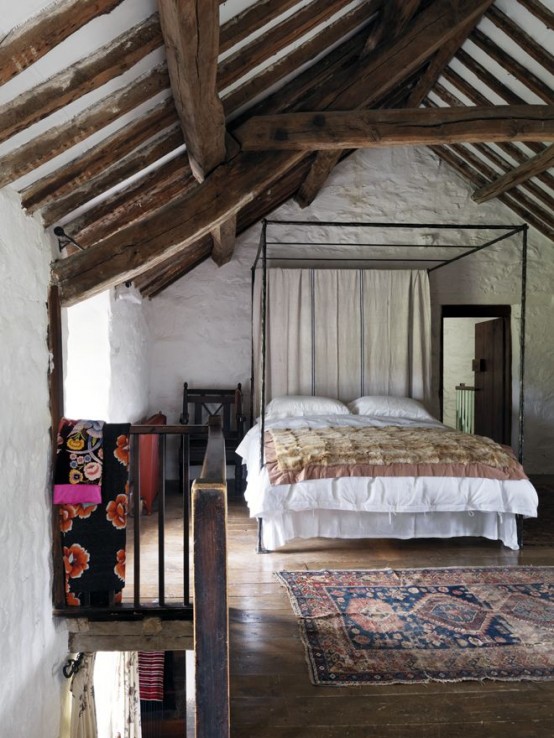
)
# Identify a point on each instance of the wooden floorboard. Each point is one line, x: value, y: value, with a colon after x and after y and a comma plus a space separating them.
x: 271, y: 693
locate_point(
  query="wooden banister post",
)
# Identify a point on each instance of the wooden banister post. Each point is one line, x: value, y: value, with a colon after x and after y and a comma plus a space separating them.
x: 211, y: 615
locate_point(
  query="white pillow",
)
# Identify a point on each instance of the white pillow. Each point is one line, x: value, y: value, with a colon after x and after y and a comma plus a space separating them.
x: 299, y: 405
x: 390, y: 407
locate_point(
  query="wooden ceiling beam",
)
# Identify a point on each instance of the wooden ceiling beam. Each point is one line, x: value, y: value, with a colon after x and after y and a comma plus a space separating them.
x: 479, y: 99
x: 151, y: 283
x: 250, y: 20
x: 524, y: 208
x: 60, y: 138
x: 468, y: 174
x: 512, y: 66
x: 535, y: 165
x: 86, y: 75
x: 508, y: 148
x: 121, y: 170
x: 414, y: 48
x: 125, y: 254
x: 143, y: 198
x: 151, y: 192
x: 191, y: 35
x: 27, y: 43
x: 394, y: 17
x: 224, y: 236
x: 540, y: 11
x: 328, y: 37
x: 537, y: 52
x: 233, y: 67
x: 403, y: 127
x: 98, y: 158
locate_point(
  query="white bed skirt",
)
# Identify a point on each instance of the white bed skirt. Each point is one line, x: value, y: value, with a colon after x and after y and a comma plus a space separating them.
x: 281, y: 527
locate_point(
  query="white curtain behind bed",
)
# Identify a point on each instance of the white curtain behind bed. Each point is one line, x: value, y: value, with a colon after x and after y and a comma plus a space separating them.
x: 344, y: 333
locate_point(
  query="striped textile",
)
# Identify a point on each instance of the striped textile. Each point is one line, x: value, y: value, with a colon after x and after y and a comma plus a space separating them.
x: 151, y: 675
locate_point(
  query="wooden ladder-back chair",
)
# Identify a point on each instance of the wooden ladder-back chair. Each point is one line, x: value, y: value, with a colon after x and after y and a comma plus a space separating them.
x: 198, y: 406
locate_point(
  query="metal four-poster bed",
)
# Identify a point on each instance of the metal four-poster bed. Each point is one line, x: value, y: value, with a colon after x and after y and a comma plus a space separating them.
x: 265, y: 256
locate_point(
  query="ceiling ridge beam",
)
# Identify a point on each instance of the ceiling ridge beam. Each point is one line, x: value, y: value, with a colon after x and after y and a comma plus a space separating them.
x: 96, y: 159
x: 30, y: 41
x: 517, y: 176
x: 86, y: 75
x: 48, y: 145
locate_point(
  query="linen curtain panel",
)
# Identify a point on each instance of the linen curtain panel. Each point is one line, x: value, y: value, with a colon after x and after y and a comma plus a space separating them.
x: 344, y: 333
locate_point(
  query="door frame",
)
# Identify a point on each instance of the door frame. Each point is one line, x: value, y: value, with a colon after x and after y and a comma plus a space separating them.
x: 504, y: 312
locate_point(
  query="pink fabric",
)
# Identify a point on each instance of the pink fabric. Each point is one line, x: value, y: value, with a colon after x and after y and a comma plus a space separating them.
x: 77, y: 493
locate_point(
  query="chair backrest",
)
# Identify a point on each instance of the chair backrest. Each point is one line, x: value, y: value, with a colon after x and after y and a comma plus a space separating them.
x: 200, y: 404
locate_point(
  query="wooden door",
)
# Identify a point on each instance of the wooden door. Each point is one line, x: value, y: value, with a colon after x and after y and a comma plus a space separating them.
x: 493, y: 380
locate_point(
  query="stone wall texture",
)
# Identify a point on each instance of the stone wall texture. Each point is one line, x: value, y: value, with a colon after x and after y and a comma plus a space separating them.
x: 33, y: 647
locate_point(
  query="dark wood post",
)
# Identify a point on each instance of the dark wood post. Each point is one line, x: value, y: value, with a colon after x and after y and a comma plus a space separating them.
x: 211, y: 616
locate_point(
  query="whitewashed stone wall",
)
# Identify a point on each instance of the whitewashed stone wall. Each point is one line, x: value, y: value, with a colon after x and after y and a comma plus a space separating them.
x: 32, y: 646
x: 200, y: 326
x: 106, y: 358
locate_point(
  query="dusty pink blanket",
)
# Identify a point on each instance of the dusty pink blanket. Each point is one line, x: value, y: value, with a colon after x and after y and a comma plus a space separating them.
x: 295, y: 455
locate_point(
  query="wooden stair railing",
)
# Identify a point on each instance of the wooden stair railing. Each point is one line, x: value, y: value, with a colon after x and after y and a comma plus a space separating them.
x: 211, y: 614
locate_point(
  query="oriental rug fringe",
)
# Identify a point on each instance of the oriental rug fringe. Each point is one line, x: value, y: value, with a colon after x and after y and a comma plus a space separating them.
x: 419, y: 625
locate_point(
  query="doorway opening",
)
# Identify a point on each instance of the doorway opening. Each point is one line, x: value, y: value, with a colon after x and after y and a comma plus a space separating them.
x: 476, y: 369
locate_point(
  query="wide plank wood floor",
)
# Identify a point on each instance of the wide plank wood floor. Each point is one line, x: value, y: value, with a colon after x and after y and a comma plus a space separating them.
x: 271, y: 693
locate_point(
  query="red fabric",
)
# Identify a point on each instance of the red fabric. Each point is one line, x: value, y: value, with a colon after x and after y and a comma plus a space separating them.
x: 151, y: 675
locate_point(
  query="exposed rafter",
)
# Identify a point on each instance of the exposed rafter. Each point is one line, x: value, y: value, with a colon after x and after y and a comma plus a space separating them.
x: 191, y: 35
x: 88, y: 74
x: 45, y: 147
x: 535, y: 165
x: 27, y: 43
x: 414, y: 127
x: 438, y: 16
x: 224, y: 240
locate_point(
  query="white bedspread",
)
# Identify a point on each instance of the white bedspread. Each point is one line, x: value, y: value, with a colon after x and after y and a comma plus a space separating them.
x: 390, y: 495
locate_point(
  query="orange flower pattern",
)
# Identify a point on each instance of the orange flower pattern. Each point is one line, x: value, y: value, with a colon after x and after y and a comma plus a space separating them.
x: 75, y: 560
x: 120, y: 566
x: 94, y: 535
x: 116, y: 511
x: 121, y: 453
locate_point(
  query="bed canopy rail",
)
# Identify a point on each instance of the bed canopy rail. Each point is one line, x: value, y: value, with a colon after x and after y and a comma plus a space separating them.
x: 441, y: 244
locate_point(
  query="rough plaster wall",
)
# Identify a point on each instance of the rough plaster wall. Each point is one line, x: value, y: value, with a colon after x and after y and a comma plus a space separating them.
x: 87, y: 378
x: 32, y: 648
x: 128, y: 339
x: 200, y: 326
x: 106, y: 358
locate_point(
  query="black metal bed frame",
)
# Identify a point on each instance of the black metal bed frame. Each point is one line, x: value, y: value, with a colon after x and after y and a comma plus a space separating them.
x: 263, y: 257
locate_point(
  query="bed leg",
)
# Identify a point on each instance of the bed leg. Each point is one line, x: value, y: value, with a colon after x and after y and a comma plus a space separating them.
x: 519, y: 525
x: 260, y: 548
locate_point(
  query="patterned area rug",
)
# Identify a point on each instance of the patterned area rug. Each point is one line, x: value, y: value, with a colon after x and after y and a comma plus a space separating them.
x: 420, y: 625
